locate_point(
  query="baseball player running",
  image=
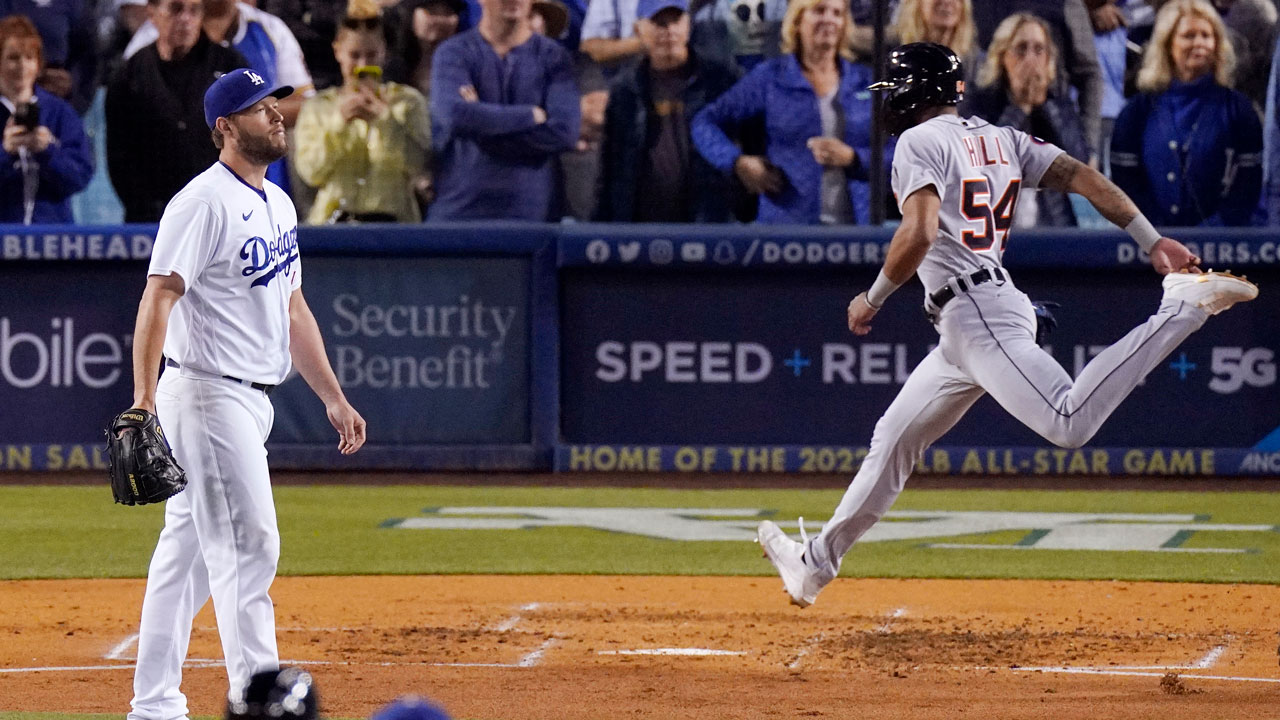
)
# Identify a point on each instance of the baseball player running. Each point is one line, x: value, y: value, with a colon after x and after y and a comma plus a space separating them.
x: 957, y: 182
x: 224, y: 303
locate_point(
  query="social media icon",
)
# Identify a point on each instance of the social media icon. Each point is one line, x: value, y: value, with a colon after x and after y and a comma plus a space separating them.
x: 598, y: 251
x: 661, y: 252
x: 629, y: 251
x: 724, y: 253
x: 693, y: 252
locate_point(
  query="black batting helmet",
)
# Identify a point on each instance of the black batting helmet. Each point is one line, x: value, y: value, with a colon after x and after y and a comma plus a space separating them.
x: 919, y: 75
x: 285, y: 694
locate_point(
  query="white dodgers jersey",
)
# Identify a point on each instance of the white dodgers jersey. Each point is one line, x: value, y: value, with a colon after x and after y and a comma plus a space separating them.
x: 978, y: 170
x: 236, y: 249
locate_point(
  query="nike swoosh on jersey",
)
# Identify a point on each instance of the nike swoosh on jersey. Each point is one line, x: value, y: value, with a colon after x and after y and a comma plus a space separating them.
x: 245, y: 216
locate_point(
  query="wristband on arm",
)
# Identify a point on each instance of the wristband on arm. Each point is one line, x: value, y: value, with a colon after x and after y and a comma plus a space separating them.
x: 880, y: 291
x: 1142, y: 232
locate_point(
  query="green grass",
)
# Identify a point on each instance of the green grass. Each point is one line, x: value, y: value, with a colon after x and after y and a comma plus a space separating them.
x: 74, y: 532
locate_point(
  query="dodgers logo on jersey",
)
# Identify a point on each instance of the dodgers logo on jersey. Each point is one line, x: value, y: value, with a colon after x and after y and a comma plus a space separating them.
x: 272, y: 257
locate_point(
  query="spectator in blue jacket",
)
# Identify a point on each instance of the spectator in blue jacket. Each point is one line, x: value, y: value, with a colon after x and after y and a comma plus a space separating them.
x: 817, y: 116
x: 46, y: 161
x: 1016, y: 88
x: 504, y: 105
x: 650, y: 172
x: 1188, y: 148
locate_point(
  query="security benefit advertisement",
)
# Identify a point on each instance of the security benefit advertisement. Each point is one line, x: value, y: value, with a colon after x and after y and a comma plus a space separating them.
x: 756, y: 370
x: 429, y: 350
x: 432, y: 351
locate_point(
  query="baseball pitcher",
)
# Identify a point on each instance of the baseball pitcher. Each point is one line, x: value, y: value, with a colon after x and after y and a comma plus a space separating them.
x: 223, y: 313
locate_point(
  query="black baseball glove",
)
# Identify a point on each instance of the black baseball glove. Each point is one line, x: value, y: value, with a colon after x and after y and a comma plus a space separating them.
x: 142, y: 466
x: 1045, y: 321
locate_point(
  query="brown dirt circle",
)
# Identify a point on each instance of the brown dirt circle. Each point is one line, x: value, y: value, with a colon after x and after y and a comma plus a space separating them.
x: 516, y: 647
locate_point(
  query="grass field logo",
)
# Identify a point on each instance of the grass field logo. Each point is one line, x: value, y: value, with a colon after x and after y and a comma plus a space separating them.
x: 1152, y: 532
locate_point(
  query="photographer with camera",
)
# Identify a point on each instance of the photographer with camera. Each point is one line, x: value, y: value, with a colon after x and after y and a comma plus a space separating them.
x: 363, y: 145
x: 47, y: 157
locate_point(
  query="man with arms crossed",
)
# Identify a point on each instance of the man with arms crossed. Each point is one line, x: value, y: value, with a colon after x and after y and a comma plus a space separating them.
x: 224, y: 304
x: 957, y: 182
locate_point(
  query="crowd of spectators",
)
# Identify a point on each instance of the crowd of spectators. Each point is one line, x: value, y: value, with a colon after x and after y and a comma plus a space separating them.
x: 627, y: 110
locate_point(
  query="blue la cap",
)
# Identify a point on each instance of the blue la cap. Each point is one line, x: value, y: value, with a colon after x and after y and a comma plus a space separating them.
x: 236, y: 91
x: 410, y: 707
x: 648, y: 8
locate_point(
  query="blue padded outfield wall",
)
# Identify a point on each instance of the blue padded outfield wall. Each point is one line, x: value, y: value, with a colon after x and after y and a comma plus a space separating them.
x: 641, y: 349
x: 431, y: 336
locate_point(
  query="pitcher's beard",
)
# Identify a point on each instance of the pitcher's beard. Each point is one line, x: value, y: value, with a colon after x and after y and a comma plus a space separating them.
x: 261, y: 150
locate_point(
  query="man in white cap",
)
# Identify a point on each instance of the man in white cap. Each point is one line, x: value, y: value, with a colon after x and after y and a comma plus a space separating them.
x: 223, y: 313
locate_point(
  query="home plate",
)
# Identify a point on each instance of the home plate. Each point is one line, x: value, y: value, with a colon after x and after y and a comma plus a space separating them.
x: 694, y: 652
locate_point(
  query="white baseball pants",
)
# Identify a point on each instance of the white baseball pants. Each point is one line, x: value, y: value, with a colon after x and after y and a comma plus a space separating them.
x: 988, y: 346
x: 220, y: 534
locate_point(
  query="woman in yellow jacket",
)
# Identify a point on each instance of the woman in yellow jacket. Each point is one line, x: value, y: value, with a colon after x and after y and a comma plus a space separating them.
x: 364, y: 144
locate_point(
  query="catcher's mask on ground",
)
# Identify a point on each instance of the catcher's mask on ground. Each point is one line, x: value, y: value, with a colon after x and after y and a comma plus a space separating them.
x: 918, y: 76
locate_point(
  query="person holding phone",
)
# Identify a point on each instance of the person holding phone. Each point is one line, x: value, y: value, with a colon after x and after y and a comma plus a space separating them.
x: 363, y: 144
x: 46, y: 155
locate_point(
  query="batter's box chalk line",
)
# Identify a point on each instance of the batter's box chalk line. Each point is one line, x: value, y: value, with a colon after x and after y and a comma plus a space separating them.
x: 1208, y: 660
x: 809, y: 644
x: 121, y: 653
x: 887, y: 626
x: 117, y: 652
x: 674, y: 652
x: 1136, y: 673
x: 805, y: 649
x: 511, y: 622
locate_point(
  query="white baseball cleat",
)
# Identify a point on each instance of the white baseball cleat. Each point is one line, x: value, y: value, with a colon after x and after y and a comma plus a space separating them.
x: 801, y: 581
x: 1212, y: 292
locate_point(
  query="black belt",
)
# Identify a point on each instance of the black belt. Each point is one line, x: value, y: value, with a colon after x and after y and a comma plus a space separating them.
x: 265, y: 388
x: 966, y: 283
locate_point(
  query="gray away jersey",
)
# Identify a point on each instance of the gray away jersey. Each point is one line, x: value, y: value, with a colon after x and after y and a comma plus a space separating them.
x: 978, y: 170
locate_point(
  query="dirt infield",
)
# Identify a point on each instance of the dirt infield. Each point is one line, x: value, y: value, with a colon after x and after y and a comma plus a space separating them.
x: 516, y: 647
